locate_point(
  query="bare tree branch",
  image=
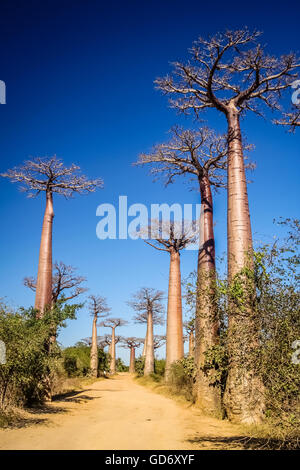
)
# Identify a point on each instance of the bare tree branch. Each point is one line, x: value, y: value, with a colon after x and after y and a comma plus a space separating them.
x: 50, y: 175
x: 229, y: 70
x: 63, y: 278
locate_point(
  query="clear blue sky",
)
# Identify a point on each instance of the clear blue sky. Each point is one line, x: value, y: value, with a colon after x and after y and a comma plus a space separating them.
x: 79, y: 77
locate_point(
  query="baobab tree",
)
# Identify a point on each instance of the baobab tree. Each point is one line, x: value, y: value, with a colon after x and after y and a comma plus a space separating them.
x: 189, y: 327
x: 64, y: 278
x: 98, y: 309
x: 147, y: 303
x: 158, y: 341
x: 232, y: 73
x: 202, y: 155
x: 132, y: 343
x: 113, y: 323
x: 49, y: 175
x: 171, y: 237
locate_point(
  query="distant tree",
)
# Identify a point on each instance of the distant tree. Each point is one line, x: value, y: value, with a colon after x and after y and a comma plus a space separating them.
x: 49, y: 175
x: 132, y: 343
x: 113, y: 323
x: 227, y: 74
x: 98, y: 309
x: 201, y: 155
x: 158, y: 341
x: 147, y: 303
x: 189, y: 327
x: 171, y: 237
x: 63, y: 279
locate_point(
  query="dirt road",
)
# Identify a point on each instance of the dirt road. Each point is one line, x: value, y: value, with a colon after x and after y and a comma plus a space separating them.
x: 120, y: 414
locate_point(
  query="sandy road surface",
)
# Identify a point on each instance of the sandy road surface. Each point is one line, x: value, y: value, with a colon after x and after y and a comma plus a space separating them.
x: 120, y: 414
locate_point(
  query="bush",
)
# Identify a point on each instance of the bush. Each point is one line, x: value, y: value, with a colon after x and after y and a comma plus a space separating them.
x: 182, y: 377
x: 159, y: 367
x: 139, y: 366
x: 24, y: 379
x: 77, y: 360
x: 120, y: 366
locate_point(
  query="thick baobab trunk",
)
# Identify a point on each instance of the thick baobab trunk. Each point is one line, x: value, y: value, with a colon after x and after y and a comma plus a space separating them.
x: 43, y: 294
x: 94, y: 350
x: 208, y: 396
x: 174, y: 340
x: 191, y: 343
x: 132, y: 360
x: 149, y: 358
x: 243, y: 397
x: 145, y: 343
x: 113, y: 352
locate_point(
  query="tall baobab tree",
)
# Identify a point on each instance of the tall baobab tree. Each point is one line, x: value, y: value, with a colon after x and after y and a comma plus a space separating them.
x: 202, y: 155
x: 132, y: 343
x: 171, y: 237
x: 113, y: 323
x: 98, y: 309
x: 189, y: 327
x: 49, y: 175
x: 147, y: 303
x: 232, y: 73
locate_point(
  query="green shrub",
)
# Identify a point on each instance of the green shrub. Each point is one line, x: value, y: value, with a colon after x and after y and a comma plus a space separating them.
x: 139, y: 366
x: 182, y: 377
x: 24, y: 377
x: 159, y: 367
x: 120, y: 366
x: 77, y: 360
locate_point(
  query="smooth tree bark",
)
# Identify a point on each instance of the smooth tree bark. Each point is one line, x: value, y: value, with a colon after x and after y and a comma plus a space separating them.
x: 132, y: 343
x: 43, y: 296
x: 149, y: 357
x: 50, y: 176
x: 147, y: 303
x: 98, y: 309
x: 145, y: 343
x: 231, y: 73
x: 202, y: 155
x: 189, y: 327
x: 170, y: 237
x: 113, y: 323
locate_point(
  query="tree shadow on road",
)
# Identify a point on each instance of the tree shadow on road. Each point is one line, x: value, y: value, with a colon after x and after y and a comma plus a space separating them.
x: 239, y: 443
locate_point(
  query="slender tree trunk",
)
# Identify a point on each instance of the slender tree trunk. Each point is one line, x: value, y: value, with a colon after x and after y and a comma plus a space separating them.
x: 191, y: 343
x: 43, y: 294
x: 113, y: 352
x: 149, y: 359
x: 145, y: 343
x: 208, y: 396
x: 243, y: 397
x: 94, y: 349
x: 132, y: 360
x: 174, y: 341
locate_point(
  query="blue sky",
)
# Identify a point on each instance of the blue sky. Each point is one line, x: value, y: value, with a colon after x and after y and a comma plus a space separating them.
x: 79, y: 77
